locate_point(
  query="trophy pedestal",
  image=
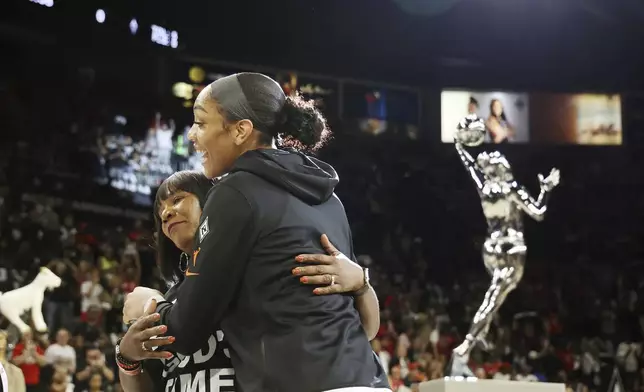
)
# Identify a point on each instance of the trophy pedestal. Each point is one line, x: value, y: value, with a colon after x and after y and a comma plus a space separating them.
x: 449, y: 385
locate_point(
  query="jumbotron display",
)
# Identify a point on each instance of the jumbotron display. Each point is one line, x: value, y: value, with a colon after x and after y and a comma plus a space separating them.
x: 519, y: 117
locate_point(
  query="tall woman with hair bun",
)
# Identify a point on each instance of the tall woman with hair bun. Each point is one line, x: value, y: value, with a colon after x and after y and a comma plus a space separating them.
x: 269, y: 209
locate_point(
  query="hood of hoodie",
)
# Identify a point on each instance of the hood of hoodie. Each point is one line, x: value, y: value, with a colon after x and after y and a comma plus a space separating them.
x: 307, y: 178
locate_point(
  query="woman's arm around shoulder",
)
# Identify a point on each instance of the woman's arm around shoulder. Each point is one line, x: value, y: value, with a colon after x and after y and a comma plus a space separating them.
x: 336, y: 273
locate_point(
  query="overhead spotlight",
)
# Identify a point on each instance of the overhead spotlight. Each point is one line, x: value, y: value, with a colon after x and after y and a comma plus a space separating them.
x: 134, y: 26
x: 174, y: 39
x: 183, y: 90
x: 100, y: 16
x: 196, y: 74
x: 46, y: 3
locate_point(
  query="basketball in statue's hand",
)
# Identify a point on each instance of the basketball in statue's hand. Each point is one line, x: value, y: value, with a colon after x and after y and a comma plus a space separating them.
x: 470, y: 131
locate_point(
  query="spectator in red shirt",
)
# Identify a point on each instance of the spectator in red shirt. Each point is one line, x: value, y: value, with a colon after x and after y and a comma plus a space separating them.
x: 29, y: 357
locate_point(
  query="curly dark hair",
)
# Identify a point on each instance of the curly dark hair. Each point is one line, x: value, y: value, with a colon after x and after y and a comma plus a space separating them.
x: 292, y: 120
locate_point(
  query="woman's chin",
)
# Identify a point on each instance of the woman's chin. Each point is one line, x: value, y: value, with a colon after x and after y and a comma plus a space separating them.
x: 211, y: 171
x: 183, y: 241
x: 208, y: 171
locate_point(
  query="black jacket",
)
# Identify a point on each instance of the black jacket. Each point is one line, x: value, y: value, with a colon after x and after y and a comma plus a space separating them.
x: 272, y: 206
x: 209, y: 367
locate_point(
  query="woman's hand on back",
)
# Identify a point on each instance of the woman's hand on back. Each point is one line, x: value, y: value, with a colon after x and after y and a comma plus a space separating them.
x: 142, y: 337
x: 335, y: 272
x: 136, y: 301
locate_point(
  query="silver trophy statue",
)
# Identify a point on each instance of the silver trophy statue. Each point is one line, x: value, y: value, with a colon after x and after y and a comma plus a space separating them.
x: 504, y: 201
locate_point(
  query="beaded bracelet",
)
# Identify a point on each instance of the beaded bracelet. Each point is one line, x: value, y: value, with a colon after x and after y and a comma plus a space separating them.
x: 127, y: 367
x: 123, y: 362
x: 134, y: 372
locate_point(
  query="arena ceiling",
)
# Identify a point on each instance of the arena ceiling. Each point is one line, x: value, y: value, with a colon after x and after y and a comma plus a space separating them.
x: 408, y: 41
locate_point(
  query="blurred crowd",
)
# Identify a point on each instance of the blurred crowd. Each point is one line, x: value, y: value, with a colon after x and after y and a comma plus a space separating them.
x: 571, y: 320
x: 417, y: 224
x: 140, y: 164
x: 98, y: 264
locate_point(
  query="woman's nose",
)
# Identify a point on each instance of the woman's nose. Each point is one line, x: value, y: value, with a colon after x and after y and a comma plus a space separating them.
x: 167, y: 214
x: 191, y: 134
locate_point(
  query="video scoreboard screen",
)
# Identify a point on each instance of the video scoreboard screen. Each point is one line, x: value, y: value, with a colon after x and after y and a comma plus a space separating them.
x: 531, y: 117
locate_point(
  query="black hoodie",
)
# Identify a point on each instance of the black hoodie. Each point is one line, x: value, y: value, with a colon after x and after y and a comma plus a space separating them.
x: 272, y: 206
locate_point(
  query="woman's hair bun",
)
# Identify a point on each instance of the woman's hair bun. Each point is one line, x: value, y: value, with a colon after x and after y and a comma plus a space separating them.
x: 302, y: 125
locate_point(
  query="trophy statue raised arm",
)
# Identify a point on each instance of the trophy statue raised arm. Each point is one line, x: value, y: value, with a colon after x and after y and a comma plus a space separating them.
x: 504, y: 203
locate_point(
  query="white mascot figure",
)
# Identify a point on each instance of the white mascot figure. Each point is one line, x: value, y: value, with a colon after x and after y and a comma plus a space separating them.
x: 15, y: 302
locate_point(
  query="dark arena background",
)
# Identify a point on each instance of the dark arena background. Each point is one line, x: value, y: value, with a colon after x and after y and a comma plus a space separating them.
x: 85, y: 86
